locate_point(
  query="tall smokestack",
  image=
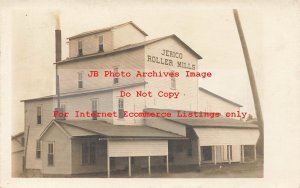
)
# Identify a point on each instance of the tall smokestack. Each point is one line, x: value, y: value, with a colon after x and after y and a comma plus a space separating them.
x: 57, y: 59
x: 57, y: 45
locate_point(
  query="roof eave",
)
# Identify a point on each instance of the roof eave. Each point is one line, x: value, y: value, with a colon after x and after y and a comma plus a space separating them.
x: 220, y: 97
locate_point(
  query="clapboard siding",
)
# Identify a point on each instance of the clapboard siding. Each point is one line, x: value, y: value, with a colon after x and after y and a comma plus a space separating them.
x: 125, y: 148
x: 187, y: 87
x: 210, y: 103
x: 229, y: 136
x: 35, y: 129
x: 125, y: 35
x: 126, y: 61
x: 90, y: 44
x: 62, y: 152
x: 131, y: 104
x: 84, y: 103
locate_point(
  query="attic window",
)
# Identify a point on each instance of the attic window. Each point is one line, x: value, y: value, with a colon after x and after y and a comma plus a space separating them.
x: 39, y: 115
x: 80, y: 48
x: 94, y: 108
x: 101, y: 49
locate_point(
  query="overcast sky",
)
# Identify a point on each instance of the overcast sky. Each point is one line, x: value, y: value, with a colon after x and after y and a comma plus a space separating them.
x: 211, y: 32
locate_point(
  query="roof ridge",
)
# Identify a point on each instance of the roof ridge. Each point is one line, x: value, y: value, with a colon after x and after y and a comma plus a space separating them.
x: 107, y: 29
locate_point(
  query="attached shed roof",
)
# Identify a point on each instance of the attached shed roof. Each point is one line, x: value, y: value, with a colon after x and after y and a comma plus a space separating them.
x: 130, y: 47
x: 214, y: 123
x: 204, y: 122
x: 108, y: 29
x: 77, y: 93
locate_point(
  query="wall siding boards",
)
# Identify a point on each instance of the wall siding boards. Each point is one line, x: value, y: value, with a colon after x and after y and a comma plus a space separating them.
x: 226, y: 136
x: 125, y: 148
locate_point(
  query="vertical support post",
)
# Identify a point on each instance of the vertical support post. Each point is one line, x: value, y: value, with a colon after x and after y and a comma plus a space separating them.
x: 243, y: 154
x: 199, y: 155
x: 167, y: 163
x: 215, y: 154
x: 229, y: 153
x: 254, y: 152
x: 108, y: 166
x: 129, y: 166
x: 149, y: 165
x: 108, y: 159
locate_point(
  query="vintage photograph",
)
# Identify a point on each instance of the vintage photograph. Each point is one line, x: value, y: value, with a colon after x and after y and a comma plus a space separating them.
x: 110, y: 95
x: 177, y: 94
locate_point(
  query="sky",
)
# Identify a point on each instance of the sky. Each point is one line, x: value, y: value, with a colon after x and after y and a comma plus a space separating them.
x: 211, y: 32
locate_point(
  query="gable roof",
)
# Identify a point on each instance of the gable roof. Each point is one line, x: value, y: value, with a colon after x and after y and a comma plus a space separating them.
x: 130, y: 47
x: 220, y: 97
x: 76, y: 128
x: 17, y: 135
x: 107, y: 29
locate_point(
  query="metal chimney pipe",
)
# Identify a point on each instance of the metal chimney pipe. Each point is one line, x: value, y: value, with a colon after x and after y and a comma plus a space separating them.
x: 57, y: 59
x: 57, y: 45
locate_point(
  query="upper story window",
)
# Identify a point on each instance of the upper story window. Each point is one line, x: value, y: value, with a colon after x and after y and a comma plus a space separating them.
x: 80, y: 48
x: 121, y: 108
x: 39, y: 115
x: 116, y: 79
x: 173, y: 82
x: 101, y: 48
x: 80, y: 82
x: 94, y: 108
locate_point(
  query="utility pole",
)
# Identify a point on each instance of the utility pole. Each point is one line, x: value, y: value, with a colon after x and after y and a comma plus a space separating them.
x: 255, y: 95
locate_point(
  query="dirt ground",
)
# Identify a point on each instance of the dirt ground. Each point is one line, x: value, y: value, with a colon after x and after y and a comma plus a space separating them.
x: 250, y: 169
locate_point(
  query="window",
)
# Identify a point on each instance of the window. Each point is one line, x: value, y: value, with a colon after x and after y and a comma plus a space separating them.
x: 63, y: 107
x: 101, y: 49
x: 39, y: 115
x: 50, y: 154
x: 173, y: 82
x: 38, y: 149
x: 94, y: 108
x: 80, y: 82
x: 88, y: 153
x: 121, y: 108
x: 80, y: 48
x: 116, y: 79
